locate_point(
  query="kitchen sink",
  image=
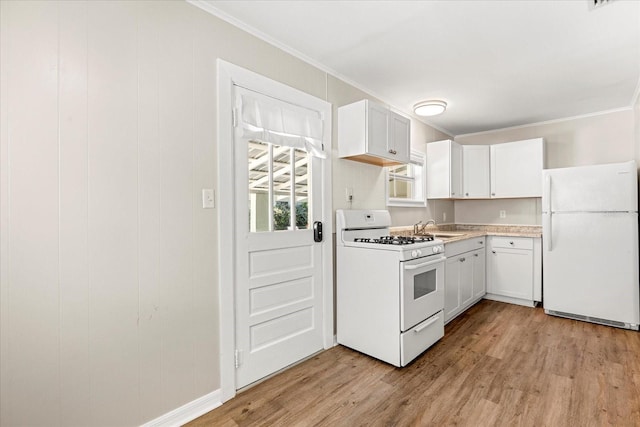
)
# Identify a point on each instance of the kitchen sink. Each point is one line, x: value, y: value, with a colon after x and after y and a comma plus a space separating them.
x: 446, y: 234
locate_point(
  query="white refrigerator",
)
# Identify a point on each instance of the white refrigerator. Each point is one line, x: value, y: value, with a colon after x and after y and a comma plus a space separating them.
x: 590, y: 244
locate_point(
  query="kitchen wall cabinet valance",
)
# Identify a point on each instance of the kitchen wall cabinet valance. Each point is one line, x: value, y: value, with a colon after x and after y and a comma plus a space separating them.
x: 372, y: 133
x: 270, y: 120
x: 444, y: 170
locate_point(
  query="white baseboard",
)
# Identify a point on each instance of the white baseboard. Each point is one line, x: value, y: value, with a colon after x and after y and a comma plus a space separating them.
x: 188, y: 412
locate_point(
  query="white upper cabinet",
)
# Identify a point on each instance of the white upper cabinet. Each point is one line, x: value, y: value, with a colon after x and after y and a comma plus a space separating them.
x: 509, y: 170
x: 475, y: 171
x: 400, y: 139
x: 444, y: 170
x: 372, y: 133
x: 516, y: 169
x: 456, y: 170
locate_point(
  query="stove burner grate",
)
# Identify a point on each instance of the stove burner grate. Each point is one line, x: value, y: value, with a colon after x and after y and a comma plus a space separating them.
x: 394, y: 240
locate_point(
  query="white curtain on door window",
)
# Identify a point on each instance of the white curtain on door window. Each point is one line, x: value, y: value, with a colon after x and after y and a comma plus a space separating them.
x: 271, y: 120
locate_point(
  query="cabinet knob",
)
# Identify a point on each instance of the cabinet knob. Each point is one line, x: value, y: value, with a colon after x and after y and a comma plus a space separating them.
x: 392, y: 151
x: 463, y: 259
x: 480, y: 242
x: 493, y: 194
x: 466, y: 194
x: 511, y: 243
x: 475, y: 255
x: 493, y: 252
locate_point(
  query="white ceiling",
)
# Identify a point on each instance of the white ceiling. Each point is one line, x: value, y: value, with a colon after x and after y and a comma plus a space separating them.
x: 496, y: 63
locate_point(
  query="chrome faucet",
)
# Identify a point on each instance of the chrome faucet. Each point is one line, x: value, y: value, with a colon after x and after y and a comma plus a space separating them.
x: 415, y: 227
x: 420, y: 229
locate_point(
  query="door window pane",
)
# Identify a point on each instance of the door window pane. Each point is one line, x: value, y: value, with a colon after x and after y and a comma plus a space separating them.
x: 278, y: 177
x: 302, y: 184
x: 258, y: 164
x: 281, y: 188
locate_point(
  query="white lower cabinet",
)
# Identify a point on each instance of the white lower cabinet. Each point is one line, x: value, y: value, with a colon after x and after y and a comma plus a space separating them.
x: 464, y: 275
x: 514, y: 270
x: 479, y: 274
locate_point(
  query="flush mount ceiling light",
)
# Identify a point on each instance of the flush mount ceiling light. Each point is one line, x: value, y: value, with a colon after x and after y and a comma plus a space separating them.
x: 430, y: 108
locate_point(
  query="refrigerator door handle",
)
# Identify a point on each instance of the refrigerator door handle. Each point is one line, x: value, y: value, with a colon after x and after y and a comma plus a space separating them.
x: 547, y: 227
x: 548, y: 218
x: 547, y: 184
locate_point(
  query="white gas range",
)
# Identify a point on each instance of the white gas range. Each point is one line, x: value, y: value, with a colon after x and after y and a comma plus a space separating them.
x: 390, y: 290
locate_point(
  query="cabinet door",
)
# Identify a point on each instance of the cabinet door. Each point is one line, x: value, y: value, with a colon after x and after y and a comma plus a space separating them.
x: 516, y: 169
x: 511, y: 273
x: 377, y: 130
x: 466, y: 279
x: 451, y: 288
x: 475, y: 171
x: 456, y: 171
x: 399, y: 137
x: 479, y: 276
x: 438, y: 169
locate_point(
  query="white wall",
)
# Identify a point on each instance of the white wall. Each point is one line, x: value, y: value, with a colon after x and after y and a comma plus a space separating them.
x: 108, y: 264
x: 603, y: 138
x: 441, y: 211
x: 518, y: 211
x: 108, y: 275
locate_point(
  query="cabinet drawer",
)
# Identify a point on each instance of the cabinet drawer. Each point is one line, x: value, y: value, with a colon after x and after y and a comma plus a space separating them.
x: 512, y: 242
x: 421, y: 337
x: 462, y: 246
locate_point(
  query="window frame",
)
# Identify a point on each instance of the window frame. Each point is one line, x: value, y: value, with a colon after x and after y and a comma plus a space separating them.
x: 416, y: 158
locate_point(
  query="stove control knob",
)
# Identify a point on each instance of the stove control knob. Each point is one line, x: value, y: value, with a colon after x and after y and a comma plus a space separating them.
x: 416, y: 253
x: 437, y: 249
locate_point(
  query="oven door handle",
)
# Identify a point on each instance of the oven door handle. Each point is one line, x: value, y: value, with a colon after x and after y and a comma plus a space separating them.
x: 424, y: 264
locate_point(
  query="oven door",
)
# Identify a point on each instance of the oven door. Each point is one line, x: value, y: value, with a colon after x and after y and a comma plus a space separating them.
x: 421, y: 289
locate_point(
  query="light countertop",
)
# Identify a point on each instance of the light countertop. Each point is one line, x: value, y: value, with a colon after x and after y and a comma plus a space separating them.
x: 468, y: 231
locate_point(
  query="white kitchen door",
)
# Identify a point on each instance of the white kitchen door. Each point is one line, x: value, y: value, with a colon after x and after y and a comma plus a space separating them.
x: 279, y: 283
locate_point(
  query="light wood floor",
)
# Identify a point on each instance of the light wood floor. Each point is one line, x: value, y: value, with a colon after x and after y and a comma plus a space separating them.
x: 498, y: 364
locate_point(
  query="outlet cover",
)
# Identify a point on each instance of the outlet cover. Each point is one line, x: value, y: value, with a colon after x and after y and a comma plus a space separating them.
x: 503, y: 214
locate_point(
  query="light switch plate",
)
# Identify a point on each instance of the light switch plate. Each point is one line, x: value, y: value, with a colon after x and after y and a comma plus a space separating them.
x: 208, y: 198
x: 349, y: 194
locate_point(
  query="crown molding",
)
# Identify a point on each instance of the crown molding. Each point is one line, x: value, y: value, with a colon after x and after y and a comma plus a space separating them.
x: 548, y: 122
x: 210, y: 8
